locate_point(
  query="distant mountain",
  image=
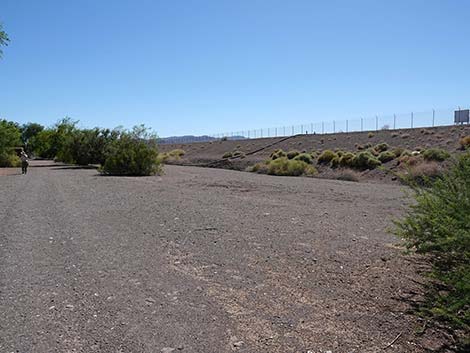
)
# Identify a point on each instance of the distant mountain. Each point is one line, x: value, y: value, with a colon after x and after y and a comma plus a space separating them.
x: 192, y: 138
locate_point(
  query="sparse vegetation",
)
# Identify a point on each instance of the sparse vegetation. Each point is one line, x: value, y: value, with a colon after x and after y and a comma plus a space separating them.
x: 370, y: 135
x: 438, y: 226
x: 228, y: 155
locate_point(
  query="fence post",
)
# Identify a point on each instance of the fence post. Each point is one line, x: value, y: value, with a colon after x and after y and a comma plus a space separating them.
x: 362, y: 124
x: 311, y: 128
x: 411, y: 119
x: 261, y: 133
x: 433, y: 117
x: 322, y: 127
x: 376, y: 123
x: 301, y: 129
x: 394, y: 121
x: 276, y: 132
x: 347, y: 126
x: 284, y: 131
x: 334, y: 126
x: 292, y: 130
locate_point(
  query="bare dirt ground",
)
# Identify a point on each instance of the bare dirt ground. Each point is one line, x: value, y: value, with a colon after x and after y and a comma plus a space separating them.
x: 203, y: 153
x: 203, y: 260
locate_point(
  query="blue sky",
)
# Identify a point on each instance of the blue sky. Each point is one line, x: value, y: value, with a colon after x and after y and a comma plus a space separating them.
x: 195, y: 67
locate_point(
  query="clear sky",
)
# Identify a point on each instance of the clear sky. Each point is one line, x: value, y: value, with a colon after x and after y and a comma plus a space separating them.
x: 207, y: 66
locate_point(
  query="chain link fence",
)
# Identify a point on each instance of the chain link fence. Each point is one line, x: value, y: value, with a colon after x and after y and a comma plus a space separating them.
x: 432, y: 118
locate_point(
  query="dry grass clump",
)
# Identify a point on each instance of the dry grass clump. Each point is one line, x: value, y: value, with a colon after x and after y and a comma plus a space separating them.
x: 365, y: 160
x: 370, y: 135
x: 173, y: 155
x: 347, y: 174
x: 405, y: 136
x: 227, y: 155
x: 464, y: 142
x: 423, y: 173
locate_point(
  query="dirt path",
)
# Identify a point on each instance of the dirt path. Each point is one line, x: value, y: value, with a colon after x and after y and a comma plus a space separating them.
x: 201, y: 260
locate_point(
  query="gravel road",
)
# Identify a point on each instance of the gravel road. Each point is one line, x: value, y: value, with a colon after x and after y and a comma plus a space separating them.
x: 201, y: 260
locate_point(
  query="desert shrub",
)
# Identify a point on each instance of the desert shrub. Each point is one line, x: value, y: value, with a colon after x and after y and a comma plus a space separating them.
x: 464, y: 142
x: 348, y: 175
x: 360, y: 147
x: 88, y: 146
x: 9, y: 159
x: 289, y: 167
x: 398, y: 151
x: 177, y: 153
x: 405, y: 136
x: 346, y: 160
x: 304, y: 157
x: 292, y: 154
x: 409, y: 160
x: 381, y: 147
x: 386, y: 156
x: 394, y: 134
x: 133, y: 153
x: 421, y: 173
x: 278, y: 154
x: 438, y: 226
x: 10, y: 136
x: 224, y: 138
x: 284, y: 167
x: 326, y: 156
x: 435, y: 154
x: 365, y: 160
x: 334, y: 163
x: 228, y: 155
x: 370, y: 135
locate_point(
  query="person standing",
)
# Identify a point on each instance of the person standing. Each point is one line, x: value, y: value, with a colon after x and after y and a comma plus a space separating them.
x: 24, y: 162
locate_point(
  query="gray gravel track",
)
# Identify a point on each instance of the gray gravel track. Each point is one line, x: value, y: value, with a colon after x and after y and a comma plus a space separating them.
x: 200, y: 260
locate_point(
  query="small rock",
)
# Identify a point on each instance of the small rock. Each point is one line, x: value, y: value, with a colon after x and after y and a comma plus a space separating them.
x: 238, y: 344
x: 150, y: 300
x: 167, y: 350
x: 69, y: 306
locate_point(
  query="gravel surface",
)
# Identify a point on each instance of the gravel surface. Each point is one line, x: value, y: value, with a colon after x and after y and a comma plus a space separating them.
x: 202, y: 260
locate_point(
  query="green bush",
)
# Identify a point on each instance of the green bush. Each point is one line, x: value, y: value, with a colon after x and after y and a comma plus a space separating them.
x: 278, y: 154
x: 438, y: 226
x: 386, y: 156
x: 435, y: 154
x: 284, y: 167
x: 326, y: 156
x: 304, y: 157
x: 381, y: 147
x: 370, y: 135
x: 10, y: 136
x: 288, y: 167
x: 132, y: 153
x: 228, y: 155
x: 9, y: 159
x: 292, y: 154
x: 365, y: 160
x: 346, y: 160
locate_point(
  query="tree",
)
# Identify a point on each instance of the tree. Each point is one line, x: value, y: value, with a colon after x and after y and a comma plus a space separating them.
x: 3, y: 39
x: 28, y: 133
